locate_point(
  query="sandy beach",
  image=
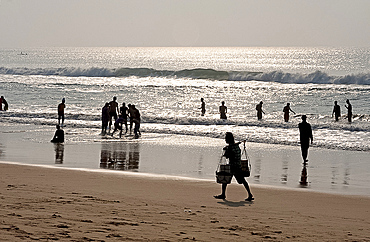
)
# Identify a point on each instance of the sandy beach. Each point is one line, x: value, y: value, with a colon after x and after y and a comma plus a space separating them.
x: 40, y: 203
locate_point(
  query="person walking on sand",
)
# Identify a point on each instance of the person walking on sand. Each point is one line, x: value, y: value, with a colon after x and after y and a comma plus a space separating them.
x: 124, y: 112
x: 349, y: 108
x: 61, y: 108
x: 223, y: 110
x: 113, y: 110
x: 259, y: 110
x: 286, y: 111
x: 336, y: 111
x: 58, y: 136
x: 233, y: 153
x: 305, y: 134
x: 104, y: 118
x: 203, y: 107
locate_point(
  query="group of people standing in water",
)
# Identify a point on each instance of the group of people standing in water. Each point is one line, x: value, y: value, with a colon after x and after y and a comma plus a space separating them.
x: 111, y: 112
x: 286, y: 110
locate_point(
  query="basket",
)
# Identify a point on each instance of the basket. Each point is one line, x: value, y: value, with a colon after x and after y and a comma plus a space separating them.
x: 223, y: 175
x: 245, y: 163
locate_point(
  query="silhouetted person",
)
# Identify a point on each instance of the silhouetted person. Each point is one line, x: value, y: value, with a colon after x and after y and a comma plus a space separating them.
x: 233, y: 153
x: 104, y: 118
x: 2, y: 100
x: 113, y: 110
x: 58, y: 136
x: 223, y: 110
x: 124, y: 112
x: 203, y: 107
x: 305, y: 133
x: 286, y: 111
x: 136, y: 118
x: 336, y: 111
x: 349, y: 108
x: 259, y: 110
x: 61, y: 108
x: 130, y: 113
x: 118, y: 125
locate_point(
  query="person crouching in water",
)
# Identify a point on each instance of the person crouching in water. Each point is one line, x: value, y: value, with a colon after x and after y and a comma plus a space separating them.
x: 118, y: 125
x: 58, y: 136
x: 233, y: 153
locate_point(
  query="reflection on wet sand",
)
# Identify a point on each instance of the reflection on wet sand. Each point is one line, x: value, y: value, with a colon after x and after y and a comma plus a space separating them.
x: 59, y: 153
x: 303, y: 182
x: 120, y: 156
x: 1, y: 150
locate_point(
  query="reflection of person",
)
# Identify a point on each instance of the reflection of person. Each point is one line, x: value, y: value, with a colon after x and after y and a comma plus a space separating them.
x: 286, y: 111
x: 223, y: 110
x: 349, y: 108
x: 303, y: 180
x: 113, y: 110
x: 203, y: 106
x: 305, y: 132
x: 58, y: 136
x: 59, y: 153
x: 2, y: 100
x: 233, y: 153
x: 336, y: 111
x: 104, y: 118
x: 61, y: 108
x: 259, y: 110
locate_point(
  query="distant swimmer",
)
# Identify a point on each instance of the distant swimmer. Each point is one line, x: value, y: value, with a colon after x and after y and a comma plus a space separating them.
x: 61, y: 108
x: 203, y: 107
x: 113, y: 110
x: 305, y: 133
x: 336, y: 111
x: 124, y: 112
x: 286, y: 111
x: 223, y: 110
x: 105, y: 118
x: 259, y: 110
x: 58, y: 136
x: 349, y: 108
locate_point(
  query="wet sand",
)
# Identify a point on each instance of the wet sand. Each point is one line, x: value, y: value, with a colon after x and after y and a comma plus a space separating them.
x: 39, y: 203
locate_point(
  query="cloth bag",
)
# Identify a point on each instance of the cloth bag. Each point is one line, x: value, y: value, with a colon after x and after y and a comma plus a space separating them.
x: 245, y: 163
x: 223, y: 172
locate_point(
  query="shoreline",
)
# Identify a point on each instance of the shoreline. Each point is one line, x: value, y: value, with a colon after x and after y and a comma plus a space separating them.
x: 41, y: 204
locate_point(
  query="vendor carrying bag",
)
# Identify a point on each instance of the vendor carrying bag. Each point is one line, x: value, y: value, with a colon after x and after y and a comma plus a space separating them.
x: 223, y: 172
x: 245, y: 163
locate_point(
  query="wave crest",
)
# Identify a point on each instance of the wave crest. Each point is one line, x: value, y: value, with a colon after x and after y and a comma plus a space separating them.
x: 317, y: 77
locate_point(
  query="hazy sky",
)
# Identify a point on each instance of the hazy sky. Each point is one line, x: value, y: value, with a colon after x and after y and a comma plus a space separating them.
x: 39, y: 23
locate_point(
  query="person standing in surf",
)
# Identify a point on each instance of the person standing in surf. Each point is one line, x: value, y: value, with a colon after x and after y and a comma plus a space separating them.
x: 349, y: 108
x: 124, y: 112
x: 233, y: 153
x: 259, y: 110
x: 3, y: 101
x: 305, y: 134
x: 61, y: 108
x: 113, y: 110
x: 136, y: 119
x: 336, y: 111
x: 223, y: 110
x: 286, y: 111
x: 203, y: 107
x: 105, y: 118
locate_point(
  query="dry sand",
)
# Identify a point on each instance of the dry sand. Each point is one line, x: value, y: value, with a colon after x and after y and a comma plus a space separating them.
x: 71, y: 205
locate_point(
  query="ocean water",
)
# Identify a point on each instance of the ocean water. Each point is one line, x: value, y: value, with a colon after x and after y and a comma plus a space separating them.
x: 166, y: 85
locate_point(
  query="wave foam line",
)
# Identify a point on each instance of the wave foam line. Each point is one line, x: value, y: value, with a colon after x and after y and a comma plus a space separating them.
x: 317, y: 77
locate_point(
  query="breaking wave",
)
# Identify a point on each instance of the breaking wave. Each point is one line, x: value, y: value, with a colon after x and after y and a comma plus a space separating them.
x: 317, y: 77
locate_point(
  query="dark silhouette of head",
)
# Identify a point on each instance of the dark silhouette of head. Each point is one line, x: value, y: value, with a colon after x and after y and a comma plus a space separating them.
x: 304, y: 118
x: 229, y: 138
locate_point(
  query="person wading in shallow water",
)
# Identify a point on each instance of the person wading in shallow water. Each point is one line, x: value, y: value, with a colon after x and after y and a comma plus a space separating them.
x: 305, y: 132
x: 233, y: 153
x: 223, y: 110
x: 259, y: 110
x: 286, y: 111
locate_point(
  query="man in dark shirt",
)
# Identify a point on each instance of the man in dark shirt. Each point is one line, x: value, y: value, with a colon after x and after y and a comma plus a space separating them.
x: 305, y: 132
